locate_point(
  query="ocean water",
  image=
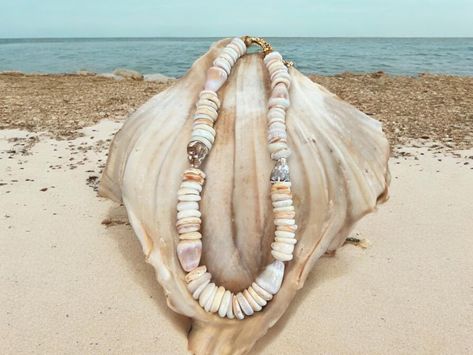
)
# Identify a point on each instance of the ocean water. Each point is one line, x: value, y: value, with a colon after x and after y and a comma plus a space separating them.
x: 173, y: 56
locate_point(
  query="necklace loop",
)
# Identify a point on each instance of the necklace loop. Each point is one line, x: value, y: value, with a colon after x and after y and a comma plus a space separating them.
x: 211, y: 297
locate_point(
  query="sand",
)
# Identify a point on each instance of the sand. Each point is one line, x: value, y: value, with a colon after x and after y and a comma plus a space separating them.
x: 73, y: 285
x: 74, y: 280
x: 425, y: 108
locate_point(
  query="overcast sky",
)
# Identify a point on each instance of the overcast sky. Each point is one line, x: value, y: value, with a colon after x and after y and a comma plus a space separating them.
x: 157, y: 18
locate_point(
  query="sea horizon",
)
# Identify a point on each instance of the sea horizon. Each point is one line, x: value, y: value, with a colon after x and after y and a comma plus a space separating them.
x: 172, y: 56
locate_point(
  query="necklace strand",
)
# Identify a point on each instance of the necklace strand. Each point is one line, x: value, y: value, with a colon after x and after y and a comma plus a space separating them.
x: 211, y: 297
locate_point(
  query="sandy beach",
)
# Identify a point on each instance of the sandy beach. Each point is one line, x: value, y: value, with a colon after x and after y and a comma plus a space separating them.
x: 74, y: 279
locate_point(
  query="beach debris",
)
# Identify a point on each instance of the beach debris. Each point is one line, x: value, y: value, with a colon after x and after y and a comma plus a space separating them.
x: 337, y: 177
x: 362, y: 243
x: 160, y: 78
x: 128, y: 74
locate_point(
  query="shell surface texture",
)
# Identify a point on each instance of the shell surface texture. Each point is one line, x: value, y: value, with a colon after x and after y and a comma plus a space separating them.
x: 339, y: 173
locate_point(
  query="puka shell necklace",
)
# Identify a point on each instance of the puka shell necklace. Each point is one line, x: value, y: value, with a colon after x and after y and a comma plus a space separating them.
x: 211, y: 297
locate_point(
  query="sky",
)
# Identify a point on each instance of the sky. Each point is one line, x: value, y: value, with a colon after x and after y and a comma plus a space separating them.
x: 212, y: 18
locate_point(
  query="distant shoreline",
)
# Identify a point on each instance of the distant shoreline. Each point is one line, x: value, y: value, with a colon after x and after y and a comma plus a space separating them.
x: 173, y: 56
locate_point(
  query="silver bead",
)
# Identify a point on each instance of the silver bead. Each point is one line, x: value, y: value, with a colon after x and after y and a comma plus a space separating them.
x: 196, y: 153
x: 280, y: 171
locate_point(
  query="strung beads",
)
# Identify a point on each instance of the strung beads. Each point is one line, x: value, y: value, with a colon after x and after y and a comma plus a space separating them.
x: 211, y: 297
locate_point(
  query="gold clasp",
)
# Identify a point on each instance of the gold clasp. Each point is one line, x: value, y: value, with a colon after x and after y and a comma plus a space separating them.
x: 265, y: 46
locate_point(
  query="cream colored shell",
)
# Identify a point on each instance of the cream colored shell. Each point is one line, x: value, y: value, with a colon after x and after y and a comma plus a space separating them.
x: 338, y: 172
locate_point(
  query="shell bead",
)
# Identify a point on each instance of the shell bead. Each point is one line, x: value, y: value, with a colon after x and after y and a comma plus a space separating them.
x: 195, y: 284
x: 258, y: 299
x: 254, y: 305
x: 281, y: 256
x: 224, y: 64
x: 196, y: 273
x: 216, y: 77
x: 225, y: 304
x: 200, y: 289
x: 244, y: 304
x: 189, y: 253
x: 211, y: 297
x: 206, y: 294
x: 271, y: 278
x: 237, y: 309
x: 262, y: 292
x: 217, y: 299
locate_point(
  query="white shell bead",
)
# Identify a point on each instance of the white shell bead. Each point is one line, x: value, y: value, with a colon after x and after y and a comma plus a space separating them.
x: 275, y: 147
x: 237, y: 309
x: 209, y: 95
x: 225, y: 304
x: 284, y: 222
x: 280, y: 90
x: 278, y: 101
x: 283, y: 153
x: 245, y: 306
x: 204, y: 127
x: 203, y: 133
x: 283, y: 247
x: 192, y: 185
x: 224, y: 64
x: 189, y: 213
x: 282, y: 203
x: 285, y: 240
x: 190, y: 235
x: 217, y: 299
x: 206, y: 103
x: 254, y: 305
x: 262, y: 292
x: 276, y: 123
x: 187, y: 198
x: 281, y: 78
x: 188, y: 220
x: 240, y: 44
x: 228, y: 57
x: 271, y: 278
x: 200, y: 289
x: 195, y: 284
x: 257, y: 297
x: 230, y: 314
x: 182, y: 206
x: 281, y: 256
x: 276, y: 112
x: 196, y: 273
x: 206, y: 293
x: 272, y: 55
x: 284, y: 234
x: 235, y: 48
x: 210, y: 300
x: 186, y: 191
x: 275, y: 196
x: 233, y: 52
x: 276, y: 73
x: 206, y: 111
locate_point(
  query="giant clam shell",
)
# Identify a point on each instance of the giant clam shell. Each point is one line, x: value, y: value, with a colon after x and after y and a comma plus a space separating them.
x: 338, y: 168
